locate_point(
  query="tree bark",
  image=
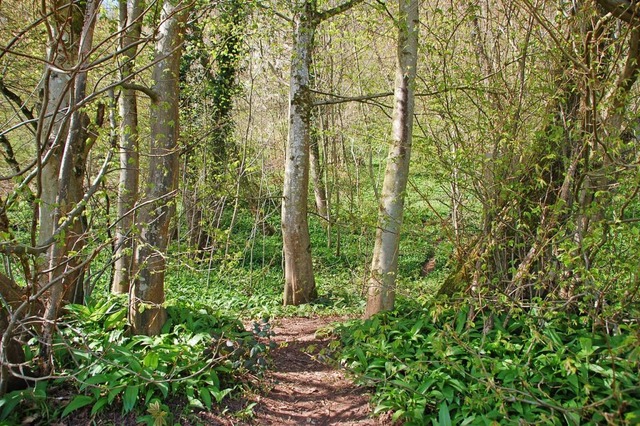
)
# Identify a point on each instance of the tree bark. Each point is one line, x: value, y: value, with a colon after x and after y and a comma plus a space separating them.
x: 125, y: 241
x: 53, y: 121
x: 147, y: 313
x: 319, y: 188
x: 300, y: 284
x: 64, y: 276
x: 384, y: 266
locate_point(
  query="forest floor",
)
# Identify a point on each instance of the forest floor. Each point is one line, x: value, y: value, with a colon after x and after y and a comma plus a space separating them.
x: 303, y: 386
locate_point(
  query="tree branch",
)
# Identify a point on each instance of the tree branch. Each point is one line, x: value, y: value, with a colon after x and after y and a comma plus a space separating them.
x: 13, y: 97
x: 330, y: 13
x: 334, y: 99
x: 626, y: 10
x: 138, y: 87
x: 338, y: 99
x: 275, y: 12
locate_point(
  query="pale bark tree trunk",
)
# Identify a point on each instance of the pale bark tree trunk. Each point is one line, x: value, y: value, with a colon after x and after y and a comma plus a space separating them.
x: 300, y: 284
x: 64, y: 276
x: 319, y: 188
x: 53, y: 123
x: 62, y: 129
x: 146, y: 310
x: 384, y: 266
x: 299, y: 280
x: 130, y: 27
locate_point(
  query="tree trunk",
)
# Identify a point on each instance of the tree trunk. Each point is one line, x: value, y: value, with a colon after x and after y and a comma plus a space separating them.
x: 384, y: 266
x: 146, y: 310
x: 54, y: 118
x: 125, y: 242
x: 300, y: 284
x: 319, y: 189
x: 65, y: 275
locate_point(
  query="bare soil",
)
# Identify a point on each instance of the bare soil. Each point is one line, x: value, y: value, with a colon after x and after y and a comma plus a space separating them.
x: 305, y: 388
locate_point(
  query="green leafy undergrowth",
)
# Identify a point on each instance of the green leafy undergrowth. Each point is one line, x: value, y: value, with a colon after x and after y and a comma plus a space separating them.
x: 443, y: 365
x: 201, y: 354
x: 258, y: 294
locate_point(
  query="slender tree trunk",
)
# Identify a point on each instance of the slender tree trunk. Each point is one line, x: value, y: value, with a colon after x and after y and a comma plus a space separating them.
x: 300, y: 284
x: 146, y: 311
x: 64, y: 276
x: 62, y: 131
x: 54, y: 118
x: 319, y: 189
x: 384, y: 266
x: 125, y: 242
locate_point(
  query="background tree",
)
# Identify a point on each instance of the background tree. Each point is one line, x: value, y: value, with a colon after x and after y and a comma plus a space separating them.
x: 544, y: 221
x: 213, y: 159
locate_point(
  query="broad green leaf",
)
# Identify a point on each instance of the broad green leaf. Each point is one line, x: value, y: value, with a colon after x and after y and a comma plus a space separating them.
x: 633, y: 417
x: 416, y: 328
x: 40, y: 390
x: 9, y: 402
x: 151, y: 360
x: 396, y: 414
x: 164, y: 388
x: 461, y: 320
x: 468, y: 420
x: 115, y: 319
x: 113, y: 393
x: 101, y: 402
x: 205, y: 396
x: 361, y: 357
x: 214, y: 379
x: 444, y: 418
x: 78, y: 402
x: 573, y: 419
x: 219, y: 395
x: 100, y: 378
x: 130, y: 398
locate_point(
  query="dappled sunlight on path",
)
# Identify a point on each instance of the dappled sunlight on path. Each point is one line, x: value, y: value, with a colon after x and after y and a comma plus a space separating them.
x: 305, y: 389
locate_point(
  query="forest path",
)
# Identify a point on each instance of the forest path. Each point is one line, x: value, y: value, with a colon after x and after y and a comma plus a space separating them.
x: 304, y: 390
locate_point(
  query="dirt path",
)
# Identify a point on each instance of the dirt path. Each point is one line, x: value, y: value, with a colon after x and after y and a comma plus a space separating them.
x: 305, y: 390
